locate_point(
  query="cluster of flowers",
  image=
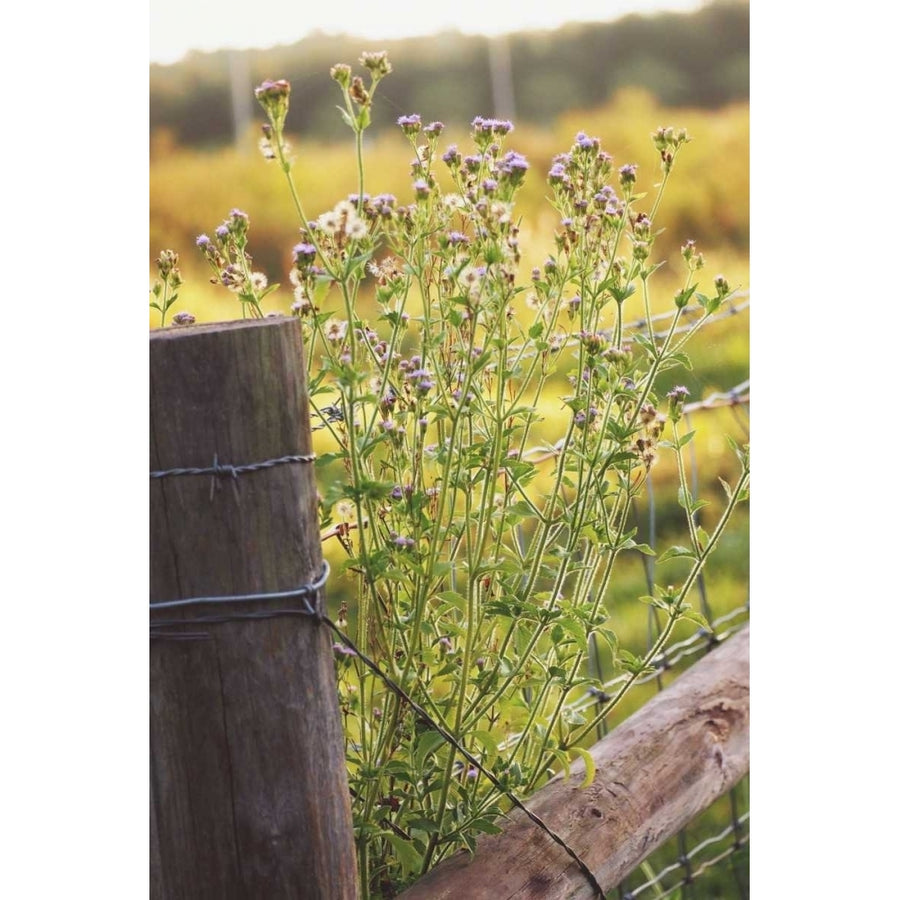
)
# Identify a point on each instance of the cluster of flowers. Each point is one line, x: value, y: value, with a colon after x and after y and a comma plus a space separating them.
x: 231, y: 263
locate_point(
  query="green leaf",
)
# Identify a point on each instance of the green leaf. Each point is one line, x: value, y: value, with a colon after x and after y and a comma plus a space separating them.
x: 421, y: 824
x: 653, y: 601
x: 621, y: 294
x: 409, y: 858
x: 682, y: 297
x: 646, y: 549
x: 682, y: 359
x: 453, y: 598
x: 688, y: 503
x: 693, y: 616
x: 684, y: 441
x: 643, y: 341
x: 575, y: 630
x: 484, y: 826
x: 675, y: 552
x: 427, y: 743
x: 702, y: 538
x: 742, y: 452
x: 536, y: 330
x: 590, y: 767
x: 611, y: 638
x: 632, y: 663
x: 348, y: 119
x: 488, y: 741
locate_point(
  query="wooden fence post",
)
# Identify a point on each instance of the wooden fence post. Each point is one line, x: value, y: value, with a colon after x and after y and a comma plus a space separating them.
x: 249, y: 791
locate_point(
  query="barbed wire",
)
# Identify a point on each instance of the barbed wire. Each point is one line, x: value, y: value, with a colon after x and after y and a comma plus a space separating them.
x: 691, y: 314
x: 696, y: 312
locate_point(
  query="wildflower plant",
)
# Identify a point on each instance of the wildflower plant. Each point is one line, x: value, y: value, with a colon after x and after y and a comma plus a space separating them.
x: 481, y: 559
x: 164, y: 292
x: 232, y: 266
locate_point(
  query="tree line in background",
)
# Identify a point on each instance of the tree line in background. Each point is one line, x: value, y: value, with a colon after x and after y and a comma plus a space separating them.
x: 699, y: 59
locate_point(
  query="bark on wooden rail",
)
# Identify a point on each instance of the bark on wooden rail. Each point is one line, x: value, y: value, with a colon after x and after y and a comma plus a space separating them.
x: 248, y: 781
x: 655, y: 772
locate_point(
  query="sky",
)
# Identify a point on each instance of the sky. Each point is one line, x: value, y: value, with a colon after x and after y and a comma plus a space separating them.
x: 177, y: 26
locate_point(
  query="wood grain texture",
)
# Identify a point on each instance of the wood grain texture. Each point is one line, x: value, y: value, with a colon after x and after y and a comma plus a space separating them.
x: 249, y: 793
x: 655, y: 772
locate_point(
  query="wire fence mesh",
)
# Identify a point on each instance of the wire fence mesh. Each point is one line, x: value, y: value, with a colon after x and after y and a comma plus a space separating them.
x: 721, y: 834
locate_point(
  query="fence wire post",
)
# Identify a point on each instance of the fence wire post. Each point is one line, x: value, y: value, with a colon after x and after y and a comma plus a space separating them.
x: 249, y: 790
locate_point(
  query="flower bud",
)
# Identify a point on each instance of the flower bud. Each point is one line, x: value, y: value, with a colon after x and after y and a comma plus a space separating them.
x: 627, y: 176
x: 168, y: 260
x: 359, y: 93
x: 377, y: 63
x: 341, y: 73
x: 676, y: 401
x: 273, y: 96
x: 411, y: 125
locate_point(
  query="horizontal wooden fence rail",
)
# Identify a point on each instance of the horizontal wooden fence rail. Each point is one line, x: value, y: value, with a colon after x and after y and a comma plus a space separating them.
x: 655, y: 773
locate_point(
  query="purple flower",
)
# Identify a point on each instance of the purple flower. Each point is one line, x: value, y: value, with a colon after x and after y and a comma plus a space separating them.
x: 272, y: 90
x: 203, y: 241
x: 434, y: 128
x: 451, y: 157
x: 304, y: 254
x: 491, y: 126
x: 557, y: 173
x: 513, y: 166
x: 628, y: 174
x: 410, y: 124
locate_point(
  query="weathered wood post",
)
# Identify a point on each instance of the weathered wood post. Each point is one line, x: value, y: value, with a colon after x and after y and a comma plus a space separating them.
x: 249, y: 792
